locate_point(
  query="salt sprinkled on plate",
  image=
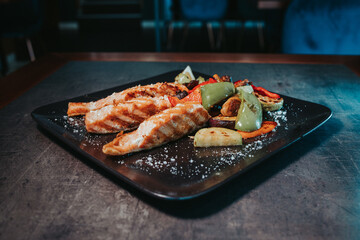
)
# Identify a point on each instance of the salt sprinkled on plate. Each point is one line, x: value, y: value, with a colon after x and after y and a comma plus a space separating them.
x: 278, y: 116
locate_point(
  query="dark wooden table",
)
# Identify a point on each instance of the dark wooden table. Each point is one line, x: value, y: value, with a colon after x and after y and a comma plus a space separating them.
x: 310, y: 190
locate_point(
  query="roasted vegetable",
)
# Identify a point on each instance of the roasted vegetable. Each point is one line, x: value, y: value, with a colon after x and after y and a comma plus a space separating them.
x: 181, y: 94
x: 174, y: 101
x: 231, y: 107
x: 221, y: 121
x: 182, y: 78
x: 211, y: 80
x: 225, y: 78
x: 244, y: 82
x: 268, y: 103
x: 212, y: 94
x: 215, y: 136
x: 266, y: 127
x: 216, y: 77
x: 249, y: 117
x: 265, y: 92
x: 192, y: 84
x: 245, y: 88
x: 185, y: 77
x: 200, y: 79
x: 194, y: 96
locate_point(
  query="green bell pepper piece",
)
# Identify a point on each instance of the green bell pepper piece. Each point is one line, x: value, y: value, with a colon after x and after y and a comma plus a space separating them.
x: 249, y: 117
x: 214, y: 93
x: 246, y: 88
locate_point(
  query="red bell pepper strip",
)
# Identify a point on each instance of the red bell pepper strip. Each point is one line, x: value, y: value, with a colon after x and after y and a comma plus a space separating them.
x: 240, y: 83
x: 174, y: 101
x: 265, y: 92
x: 194, y: 96
x: 237, y: 82
x: 211, y: 80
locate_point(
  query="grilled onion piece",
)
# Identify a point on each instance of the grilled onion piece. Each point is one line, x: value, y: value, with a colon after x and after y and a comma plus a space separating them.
x: 214, y: 136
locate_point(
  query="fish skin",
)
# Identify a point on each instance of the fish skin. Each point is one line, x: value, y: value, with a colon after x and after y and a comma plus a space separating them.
x: 124, y: 116
x: 168, y: 125
x: 152, y: 90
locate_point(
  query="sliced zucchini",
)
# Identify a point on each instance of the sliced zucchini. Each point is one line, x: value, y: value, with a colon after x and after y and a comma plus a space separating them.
x: 270, y: 104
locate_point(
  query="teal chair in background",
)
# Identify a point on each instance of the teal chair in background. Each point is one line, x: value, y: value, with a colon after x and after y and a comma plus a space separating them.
x: 205, y: 11
x: 322, y: 27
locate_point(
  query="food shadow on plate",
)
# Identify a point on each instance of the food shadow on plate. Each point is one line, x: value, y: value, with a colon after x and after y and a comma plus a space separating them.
x: 233, y: 190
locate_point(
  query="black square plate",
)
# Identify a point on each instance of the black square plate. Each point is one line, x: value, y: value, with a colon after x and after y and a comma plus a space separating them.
x: 177, y: 170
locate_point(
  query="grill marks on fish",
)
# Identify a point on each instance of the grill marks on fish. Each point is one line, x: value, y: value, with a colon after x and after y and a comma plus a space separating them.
x: 152, y: 90
x: 168, y: 125
x: 124, y: 116
x: 146, y: 108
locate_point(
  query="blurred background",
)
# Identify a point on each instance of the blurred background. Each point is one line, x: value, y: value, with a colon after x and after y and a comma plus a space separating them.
x: 31, y: 28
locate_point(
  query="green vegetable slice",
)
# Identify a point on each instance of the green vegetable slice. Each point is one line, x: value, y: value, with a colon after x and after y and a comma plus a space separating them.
x: 249, y: 117
x: 182, y: 78
x: 214, y: 93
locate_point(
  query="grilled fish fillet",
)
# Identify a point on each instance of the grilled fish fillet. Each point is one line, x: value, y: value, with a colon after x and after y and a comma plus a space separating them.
x: 124, y: 116
x: 153, y: 90
x: 168, y: 125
